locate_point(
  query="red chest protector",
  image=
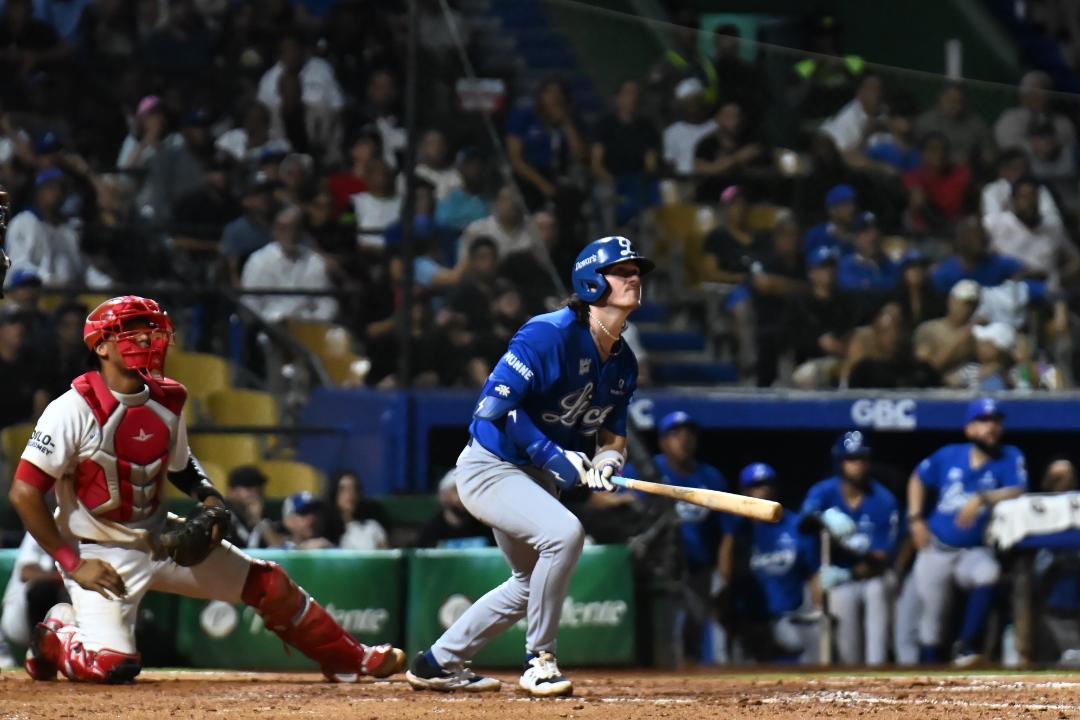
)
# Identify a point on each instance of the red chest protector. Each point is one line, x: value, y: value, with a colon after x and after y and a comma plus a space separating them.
x: 122, y: 480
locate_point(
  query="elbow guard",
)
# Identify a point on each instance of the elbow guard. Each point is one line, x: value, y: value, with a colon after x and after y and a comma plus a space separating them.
x: 193, y: 481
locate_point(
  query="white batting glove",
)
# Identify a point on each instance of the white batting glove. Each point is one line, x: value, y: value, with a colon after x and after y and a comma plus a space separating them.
x: 839, y: 523
x: 604, y: 465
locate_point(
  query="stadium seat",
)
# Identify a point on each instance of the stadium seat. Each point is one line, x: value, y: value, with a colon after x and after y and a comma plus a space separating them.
x: 231, y: 407
x: 201, y: 373
x: 214, y: 471
x: 226, y: 451
x: 13, y: 440
x: 285, y: 477
x: 681, y: 231
x: 333, y: 345
x: 92, y: 300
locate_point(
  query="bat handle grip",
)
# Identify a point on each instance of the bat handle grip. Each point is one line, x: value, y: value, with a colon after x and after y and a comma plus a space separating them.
x: 621, y: 481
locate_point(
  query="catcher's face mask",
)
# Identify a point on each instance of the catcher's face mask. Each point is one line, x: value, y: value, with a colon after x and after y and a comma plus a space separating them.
x: 141, y: 330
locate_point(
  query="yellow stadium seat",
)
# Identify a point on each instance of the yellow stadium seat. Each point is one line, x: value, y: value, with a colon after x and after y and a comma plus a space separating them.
x: 201, y: 373
x: 285, y: 477
x: 214, y: 471
x: 226, y: 451
x: 763, y: 218
x: 92, y: 300
x: 232, y: 407
x: 13, y: 440
x: 333, y: 345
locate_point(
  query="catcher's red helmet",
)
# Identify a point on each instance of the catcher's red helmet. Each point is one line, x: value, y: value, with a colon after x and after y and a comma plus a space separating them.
x: 108, y: 321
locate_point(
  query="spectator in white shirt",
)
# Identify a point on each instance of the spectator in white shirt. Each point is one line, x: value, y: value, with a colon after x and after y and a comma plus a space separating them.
x: 1011, y: 128
x: 287, y: 264
x: 856, y: 121
x: 682, y: 136
x: 381, y: 111
x: 996, y: 196
x: 506, y: 226
x: 1042, y: 247
x: 435, y: 165
x: 320, y: 100
x: 39, y: 240
x: 379, y: 206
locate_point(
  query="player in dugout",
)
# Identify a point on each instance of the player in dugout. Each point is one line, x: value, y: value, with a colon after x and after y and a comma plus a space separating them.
x: 950, y: 495
x: 107, y: 446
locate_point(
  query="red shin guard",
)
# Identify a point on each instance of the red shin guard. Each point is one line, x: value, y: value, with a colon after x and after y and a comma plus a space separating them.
x: 297, y: 619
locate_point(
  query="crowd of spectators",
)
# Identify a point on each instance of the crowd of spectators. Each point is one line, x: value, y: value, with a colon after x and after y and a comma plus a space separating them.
x: 260, y: 146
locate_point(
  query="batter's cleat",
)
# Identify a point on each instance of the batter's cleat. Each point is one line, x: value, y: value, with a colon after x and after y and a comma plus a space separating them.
x: 543, y: 679
x: 426, y: 674
x: 45, y: 643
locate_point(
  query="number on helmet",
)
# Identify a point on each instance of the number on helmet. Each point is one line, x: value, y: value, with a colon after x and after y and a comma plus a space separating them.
x: 627, y: 248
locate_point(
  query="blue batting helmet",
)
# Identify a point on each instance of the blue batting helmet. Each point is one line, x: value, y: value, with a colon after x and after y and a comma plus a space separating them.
x: 588, y: 279
x: 851, y: 445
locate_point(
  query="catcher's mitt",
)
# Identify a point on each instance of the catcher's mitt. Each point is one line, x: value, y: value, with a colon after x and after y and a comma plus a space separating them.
x: 189, y: 542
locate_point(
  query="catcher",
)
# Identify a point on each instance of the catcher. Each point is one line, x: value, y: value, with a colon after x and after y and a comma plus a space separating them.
x: 107, y: 446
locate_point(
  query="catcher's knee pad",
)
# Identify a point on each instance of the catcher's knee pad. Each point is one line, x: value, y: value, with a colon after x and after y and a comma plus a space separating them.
x: 296, y: 618
x: 106, y: 666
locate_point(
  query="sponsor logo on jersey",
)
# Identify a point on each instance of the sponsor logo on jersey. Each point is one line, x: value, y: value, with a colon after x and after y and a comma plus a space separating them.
x: 586, y: 262
x: 576, y: 409
x: 884, y: 414
x: 503, y: 390
x: 143, y: 436
x: 583, y: 366
x: 518, y: 366
x: 42, y: 442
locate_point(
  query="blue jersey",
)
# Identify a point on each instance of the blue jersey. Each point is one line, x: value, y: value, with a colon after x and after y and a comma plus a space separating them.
x: 877, y: 520
x: 857, y: 274
x: 701, y: 528
x: 552, y: 372
x: 991, y: 272
x: 825, y: 235
x: 782, y: 560
x: 948, y: 474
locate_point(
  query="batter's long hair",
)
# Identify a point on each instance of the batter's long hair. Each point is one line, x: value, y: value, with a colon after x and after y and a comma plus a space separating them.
x: 579, y: 306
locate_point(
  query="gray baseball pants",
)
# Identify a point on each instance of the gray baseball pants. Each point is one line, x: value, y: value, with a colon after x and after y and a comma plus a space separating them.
x: 541, y: 540
x: 937, y: 569
x: 862, y: 610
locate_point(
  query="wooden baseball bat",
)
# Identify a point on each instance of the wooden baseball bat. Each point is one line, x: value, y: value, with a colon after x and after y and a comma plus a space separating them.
x: 749, y: 507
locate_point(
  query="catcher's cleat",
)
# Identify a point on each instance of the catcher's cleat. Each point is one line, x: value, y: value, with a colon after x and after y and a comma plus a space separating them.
x: 543, y: 679
x: 380, y: 661
x: 46, y: 644
x: 426, y: 674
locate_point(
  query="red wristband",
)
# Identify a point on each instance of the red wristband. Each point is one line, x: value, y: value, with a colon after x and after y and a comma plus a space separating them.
x: 67, y: 557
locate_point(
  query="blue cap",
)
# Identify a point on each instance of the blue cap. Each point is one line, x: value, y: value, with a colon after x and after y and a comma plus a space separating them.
x: 48, y: 144
x: 673, y: 420
x: 823, y: 256
x: 756, y: 474
x: 913, y: 257
x: 851, y: 444
x: 199, y: 117
x: 983, y: 409
x: 49, y: 175
x: 24, y: 278
x: 839, y: 195
x: 301, y: 503
x: 865, y: 220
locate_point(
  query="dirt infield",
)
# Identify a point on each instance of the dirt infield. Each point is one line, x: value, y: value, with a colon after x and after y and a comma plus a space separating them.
x: 615, y: 694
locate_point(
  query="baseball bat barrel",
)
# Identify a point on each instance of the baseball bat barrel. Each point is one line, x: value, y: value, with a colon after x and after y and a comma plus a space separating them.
x: 748, y: 507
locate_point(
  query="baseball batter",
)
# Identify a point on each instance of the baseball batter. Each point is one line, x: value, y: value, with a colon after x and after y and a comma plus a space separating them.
x: 949, y: 497
x: 561, y: 390
x: 860, y: 595
x: 107, y: 446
